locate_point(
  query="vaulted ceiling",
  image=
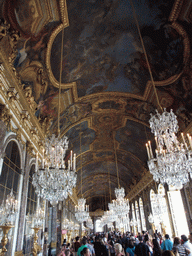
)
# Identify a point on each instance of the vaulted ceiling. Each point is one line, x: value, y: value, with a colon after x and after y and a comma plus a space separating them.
x: 106, y: 95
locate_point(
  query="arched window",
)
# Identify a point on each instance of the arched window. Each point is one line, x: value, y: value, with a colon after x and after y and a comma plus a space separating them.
x: 138, y: 217
x: 98, y: 227
x: 11, y: 171
x: 133, y: 219
x: 143, y: 222
x: 155, y: 209
x: 9, y: 179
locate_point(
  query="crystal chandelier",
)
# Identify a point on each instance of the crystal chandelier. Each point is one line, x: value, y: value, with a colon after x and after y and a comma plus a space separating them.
x: 111, y: 213
x: 108, y: 218
x: 89, y: 223
x: 120, y: 205
x: 82, y: 210
x: 54, y: 181
x: 39, y: 217
x: 171, y: 164
x: 158, y: 208
x: 133, y: 222
x: 65, y: 224
x: 151, y: 218
x: 8, y: 210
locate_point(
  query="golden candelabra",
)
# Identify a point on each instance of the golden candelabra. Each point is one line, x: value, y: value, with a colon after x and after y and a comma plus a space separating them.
x: 69, y: 232
x: 35, y: 244
x: 4, y: 240
x: 163, y: 228
x: 153, y: 227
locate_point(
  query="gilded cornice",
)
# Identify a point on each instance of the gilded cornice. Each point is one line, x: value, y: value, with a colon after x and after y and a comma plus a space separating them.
x: 146, y: 180
x: 109, y: 95
x: 16, y: 100
x: 97, y: 213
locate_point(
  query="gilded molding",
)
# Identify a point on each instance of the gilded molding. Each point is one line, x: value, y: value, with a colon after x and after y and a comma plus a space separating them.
x: 48, y: 64
x: 186, y: 41
x: 140, y: 186
x: 64, y: 12
x: 175, y: 10
x: 21, y: 115
x: 5, y: 115
x: 97, y: 213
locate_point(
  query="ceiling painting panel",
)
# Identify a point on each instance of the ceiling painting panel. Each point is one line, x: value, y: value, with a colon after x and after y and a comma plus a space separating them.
x: 101, y: 48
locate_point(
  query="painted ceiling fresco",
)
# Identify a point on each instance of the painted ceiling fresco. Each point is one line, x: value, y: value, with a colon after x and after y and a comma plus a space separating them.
x: 102, y: 50
x: 106, y: 96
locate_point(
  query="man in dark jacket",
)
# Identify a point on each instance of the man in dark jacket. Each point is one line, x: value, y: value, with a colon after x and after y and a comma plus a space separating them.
x: 142, y: 249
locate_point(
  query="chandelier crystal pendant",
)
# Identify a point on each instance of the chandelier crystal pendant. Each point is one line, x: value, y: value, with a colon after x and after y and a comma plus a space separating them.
x: 54, y: 181
x: 82, y: 210
x: 39, y: 217
x: 172, y: 162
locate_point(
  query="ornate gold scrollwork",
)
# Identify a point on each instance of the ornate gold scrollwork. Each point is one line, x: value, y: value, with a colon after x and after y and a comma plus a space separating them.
x: 5, y: 115
x: 30, y: 99
x: 12, y: 94
x: 4, y: 26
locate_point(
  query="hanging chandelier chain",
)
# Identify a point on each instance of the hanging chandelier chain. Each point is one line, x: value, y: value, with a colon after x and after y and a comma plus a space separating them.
x: 109, y: 179
x: 81, y: 159
x: 116, y: 160
x: 60, y: 76
x: 146, y: 57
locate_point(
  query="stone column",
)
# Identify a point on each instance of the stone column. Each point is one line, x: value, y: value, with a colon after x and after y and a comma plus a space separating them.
x: 23, y: 205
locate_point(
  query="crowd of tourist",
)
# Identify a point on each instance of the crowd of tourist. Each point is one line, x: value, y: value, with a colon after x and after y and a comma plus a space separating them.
x: 126, y: 244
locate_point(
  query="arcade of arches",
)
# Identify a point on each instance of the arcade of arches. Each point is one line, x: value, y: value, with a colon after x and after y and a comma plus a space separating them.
x: 106, y: 100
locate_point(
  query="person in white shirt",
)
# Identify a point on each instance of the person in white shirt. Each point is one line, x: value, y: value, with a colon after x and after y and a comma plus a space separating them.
x: 186, y: 244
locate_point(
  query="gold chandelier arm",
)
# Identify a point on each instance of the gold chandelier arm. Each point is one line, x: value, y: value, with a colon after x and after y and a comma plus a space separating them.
x: 146, y: 57
x: 60, y: 76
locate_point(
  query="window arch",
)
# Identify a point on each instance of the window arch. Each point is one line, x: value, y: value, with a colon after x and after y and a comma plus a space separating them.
x: 143, y: 222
